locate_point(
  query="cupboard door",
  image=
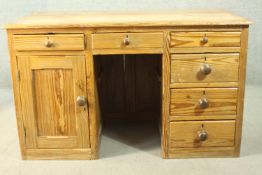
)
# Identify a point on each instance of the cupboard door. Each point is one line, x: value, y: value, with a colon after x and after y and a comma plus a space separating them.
x: 49, y: 88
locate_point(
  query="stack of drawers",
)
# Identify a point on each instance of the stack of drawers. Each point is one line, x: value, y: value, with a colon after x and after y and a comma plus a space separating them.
x: 204, y: 75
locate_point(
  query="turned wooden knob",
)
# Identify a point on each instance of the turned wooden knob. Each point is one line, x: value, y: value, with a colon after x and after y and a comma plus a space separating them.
x: 205, y: 69
x: 202, y: 135
x: 126, y: 41
x: 203, y: 103
x: 49, y: 43
x: 81, y: 101
x: 204, y: 40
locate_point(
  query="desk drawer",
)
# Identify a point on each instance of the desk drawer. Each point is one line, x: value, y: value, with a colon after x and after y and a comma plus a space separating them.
x: 204, y: 39
x: 204, y: 68
x: 193, y: 134
x: 203, y: 101
x: 127, y: 40
x: 49, y: 42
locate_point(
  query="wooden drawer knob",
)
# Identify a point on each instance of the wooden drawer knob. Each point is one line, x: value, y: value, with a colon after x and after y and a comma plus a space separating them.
x: 49, y: 43
x: 203, y: 103
x: 202, y: 135
x: 205, y: 69
x: 81, y: 101
x: 204, y: 40
x: 126, y: 41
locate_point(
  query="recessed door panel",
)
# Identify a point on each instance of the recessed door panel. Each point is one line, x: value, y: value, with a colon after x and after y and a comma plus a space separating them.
x: 49, y: 87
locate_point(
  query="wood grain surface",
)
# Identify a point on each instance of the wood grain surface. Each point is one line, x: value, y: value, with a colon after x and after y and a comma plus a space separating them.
x: 185, y: 134
x: 49, y: 87
x: 185, y: 68
x: 136, y: 40
x: 215, y: 39
x: 59, y: 42
x: 222, y: 101
x: 128, y: 19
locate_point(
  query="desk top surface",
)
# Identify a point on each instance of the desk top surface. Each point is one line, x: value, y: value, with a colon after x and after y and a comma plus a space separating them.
x: 128, y: 19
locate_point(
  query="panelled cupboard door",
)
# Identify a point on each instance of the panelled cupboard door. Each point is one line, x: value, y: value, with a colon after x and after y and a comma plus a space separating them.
x: 49, y: 87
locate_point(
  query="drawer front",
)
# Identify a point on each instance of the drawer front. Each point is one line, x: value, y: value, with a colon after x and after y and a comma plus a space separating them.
x: 203, y: 101
x: 203, y: 68
x: 204, y: 39
x: 127, y: 40
x: 49, y: 42
x: 193, y: 134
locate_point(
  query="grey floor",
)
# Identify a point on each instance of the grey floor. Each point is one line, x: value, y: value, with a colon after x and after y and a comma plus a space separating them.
x: 135, y: 149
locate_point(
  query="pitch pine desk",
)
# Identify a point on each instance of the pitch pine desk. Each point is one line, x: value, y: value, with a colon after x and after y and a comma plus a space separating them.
x: 185, y: 69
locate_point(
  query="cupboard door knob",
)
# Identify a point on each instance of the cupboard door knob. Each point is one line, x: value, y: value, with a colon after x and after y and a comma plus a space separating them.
x: 205, y: 69
x: 49, y: 43
x: 203, y: 103
x: 204, y: 40
x: 202, y: 135
x: 81, y: 101
x: 126, y: 41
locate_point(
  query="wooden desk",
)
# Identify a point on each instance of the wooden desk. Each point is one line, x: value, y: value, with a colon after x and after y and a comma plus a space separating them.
x: 185, y: 68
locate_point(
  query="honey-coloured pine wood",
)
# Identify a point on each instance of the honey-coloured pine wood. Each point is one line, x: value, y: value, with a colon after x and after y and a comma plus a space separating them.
x: 186, y: 134
x: 165, y: 91
x: 127, y: 40
x: 204, y: 39
x: 241, y: 91
x: 202, y: 152
x: 221, y: 101
x: 49, y: 87
x: 15, y: 84
x: 49, y: 42
x: 186, y: 68
x: 128, y: 19
x: 132, y: 65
